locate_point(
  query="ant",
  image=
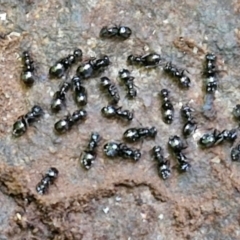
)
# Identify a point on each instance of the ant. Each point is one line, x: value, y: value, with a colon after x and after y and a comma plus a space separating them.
x: 167, y: 107
x: 147, y: 60
x: 111, y: 88
x: 212, y: 139
x: 66, y: 123
x: 22, y: 123
x: 61, y: 66
x: 136, y: 134
x: 236, y: 111
x: 59, y: 97
x: 111, y: 111
x: 93, y: 67
x: 235, y: 153
x: 113, y: 149
x: 163, y: 164
x: 190, y: 126
x: 176, y: 144
x: 173, y: 71
x: 127, y: 79
x: 79, y: 91
x: 49, y: 178
x: 89, y: 155
x: 184, y: 165
x: 210, y: 73
x: 27, y: 76
x: 121, y: 32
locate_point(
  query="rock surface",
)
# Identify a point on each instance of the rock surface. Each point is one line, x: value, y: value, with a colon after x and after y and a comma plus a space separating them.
x: 118, y: 199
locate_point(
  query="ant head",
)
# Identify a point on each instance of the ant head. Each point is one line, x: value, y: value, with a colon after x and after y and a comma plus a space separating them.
x: 37, y: 110
x: 105, y: 81
x: 130, y: 59
x: 111, y: 149
x: 137, y: 155
x: 164, y: 93
x: 210, y: 57
x: 153, y: 131
x: 106, y: 60
x: 124, y: 73
x: 76, y: 80
x: 25, y: 54
x: 82, y: 113
x: 77, y: 54
x: 52, y: 172
x: 156, y: 150
x: 95, y: 136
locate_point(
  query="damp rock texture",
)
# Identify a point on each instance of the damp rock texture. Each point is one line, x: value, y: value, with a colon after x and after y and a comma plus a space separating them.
x: 116, y: 198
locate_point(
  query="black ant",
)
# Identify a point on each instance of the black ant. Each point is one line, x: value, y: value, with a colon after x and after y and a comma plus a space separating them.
x: 212, y: 139
x: 88, y: 157
x: 66, y: 123
x: 127, y: 79
x: 113, y: 149
x: 190, y: 126
x: 163, y: 164
x: 49, y: 178
x: 59, y: 97
x: 177, y: 145
x: 147, y: 60
x: 173, y: 71
x: 79, y: 91
x: 121, y: 32
x: 27, y: 75
x: 93, y: 67
x: 235, y: 153
x: 112, y: 111
x: 136, y: 134
x: 167, y: 107
x: 184, y: 165
x: 21, y: 125
x: 111, y: 88
x: 210, y: 73
x: 236, y: 111
x: 61, y: 66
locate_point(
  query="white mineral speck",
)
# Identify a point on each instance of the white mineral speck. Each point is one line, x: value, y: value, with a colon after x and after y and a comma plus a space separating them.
x: 146, y: 48
x: 143, y: 215
x: 118, y: 199
x: 3, y: 16
x: 215, y: 160
x: 46, y: 115
x: 160, y: 217
x: 14, y: 34
x: 52, y: 150
x: 106, y: 210
x: 197, y: 135
x: 195, y: 50
x: 180, y: 104
x: 165, y: 21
